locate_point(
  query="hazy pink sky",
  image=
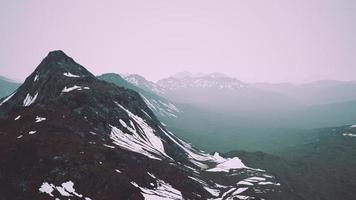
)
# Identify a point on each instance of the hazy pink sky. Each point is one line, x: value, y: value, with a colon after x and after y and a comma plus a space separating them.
x: 273, y: 41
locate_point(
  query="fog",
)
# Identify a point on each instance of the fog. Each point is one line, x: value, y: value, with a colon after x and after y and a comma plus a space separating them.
x: 254, y: 41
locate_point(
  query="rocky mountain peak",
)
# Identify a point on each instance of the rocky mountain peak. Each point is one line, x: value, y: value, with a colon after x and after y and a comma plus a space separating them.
x: 55, y: 75
x: 57, y: 62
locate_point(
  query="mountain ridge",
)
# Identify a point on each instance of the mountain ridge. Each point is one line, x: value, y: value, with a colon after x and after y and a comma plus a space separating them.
x: 162, y: 107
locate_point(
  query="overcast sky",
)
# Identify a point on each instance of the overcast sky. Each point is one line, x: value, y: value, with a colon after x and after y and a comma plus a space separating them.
x: 254, y: 41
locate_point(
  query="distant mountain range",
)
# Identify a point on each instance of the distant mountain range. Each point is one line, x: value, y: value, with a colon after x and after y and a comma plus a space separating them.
x: 215, y: 107
x: 315, y: 93
x: 218, y: 93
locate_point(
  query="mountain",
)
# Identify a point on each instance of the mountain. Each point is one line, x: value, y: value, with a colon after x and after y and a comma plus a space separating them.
x: 214, y: 80
x: 143, y: 83
x: 66, y: 134
x: 215, y: 118
x: 162, y: 107
x: 318, y: 167
x: 314, y: 93
x: 220, y: 93
x: 7, y: 86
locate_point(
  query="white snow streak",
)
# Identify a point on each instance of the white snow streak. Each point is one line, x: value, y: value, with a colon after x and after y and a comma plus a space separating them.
x: 268, y: 183
x: 229, y: 163
x: 133, y: 143
x: 244, y: 183
x: 68, y: 74
x: 39, y: 119
x: 109, y: 146
x: 161, y: 108
x: 75, y: 87
x: 349, y: 134
x: 36, y: 78
x: 32, y: 132
x: 163, y: 191
x: 143, y: 139
x: 7, y: 98
x: 29, y: 99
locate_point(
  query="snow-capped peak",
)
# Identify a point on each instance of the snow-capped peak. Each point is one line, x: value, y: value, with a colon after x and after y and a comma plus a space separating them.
x: 213, y: 80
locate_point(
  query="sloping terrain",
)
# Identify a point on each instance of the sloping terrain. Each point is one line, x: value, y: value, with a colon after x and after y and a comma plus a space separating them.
x: 219, y: 112
x: 162, y: 107
x: 64, y: 134
x: 7, y: 86
x: 320, y: 168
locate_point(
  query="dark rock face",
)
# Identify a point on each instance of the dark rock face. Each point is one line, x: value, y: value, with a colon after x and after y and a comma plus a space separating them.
x: 66, y: 130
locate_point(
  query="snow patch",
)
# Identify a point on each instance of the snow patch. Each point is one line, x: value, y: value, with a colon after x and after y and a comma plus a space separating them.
x: 255, y: 179
x: 7, y: 98
x: 66, y: 189
x: 240, y: 190
x: 244, y: 183
x: 143, y: 139
x: 213, y: 192
x: 163, y: 191
x: 133, y: 143
x: 109, y: 146
x: 227, y: 164
x: 29, y: 99
x: 17, y: 118
x: 36, y: 78
x: 218, y: 158
x: 47, y: 188
x: 62, y: 191
x: 40, y: 119
x: 268, y: 183
x: 32, y: 132
x: 349, y: 134
x: 68, y: 74
x: 75, y: 87
x: 69, y: 186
